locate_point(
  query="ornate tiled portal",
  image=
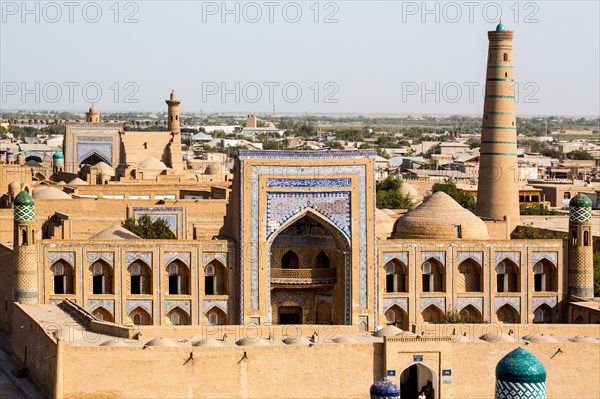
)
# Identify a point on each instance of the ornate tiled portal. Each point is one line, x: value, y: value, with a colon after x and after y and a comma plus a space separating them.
x: 276, y: 189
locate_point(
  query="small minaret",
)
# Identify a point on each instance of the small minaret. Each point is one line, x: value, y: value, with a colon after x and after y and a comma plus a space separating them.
x: 520, y: 375
x: 25, y: 279
x: 92, y: 116
x: 58, y: 162
x: 174, y: 124
x: 251, y: 120
x: 581, y: 252
x: 498, y: 187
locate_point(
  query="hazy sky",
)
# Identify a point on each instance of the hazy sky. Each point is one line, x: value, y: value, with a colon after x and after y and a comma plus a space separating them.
x: 325, y: 57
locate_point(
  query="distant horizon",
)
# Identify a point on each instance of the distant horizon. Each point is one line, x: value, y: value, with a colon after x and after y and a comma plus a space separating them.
x: 259, y: 113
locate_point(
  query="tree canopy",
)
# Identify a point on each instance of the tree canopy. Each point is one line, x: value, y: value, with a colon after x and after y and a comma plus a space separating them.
x: 389, y: 195
x: 149, y: 229
x: 581, y: 155
x: 465, y: 200
x: 539, y: 209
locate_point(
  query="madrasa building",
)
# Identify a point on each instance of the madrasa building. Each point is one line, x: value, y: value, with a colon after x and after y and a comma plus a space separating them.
x: 295, y: 240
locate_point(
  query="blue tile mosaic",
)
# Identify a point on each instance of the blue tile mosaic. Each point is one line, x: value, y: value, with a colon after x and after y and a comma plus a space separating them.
x: 335, y: 206
x: 308, y: 183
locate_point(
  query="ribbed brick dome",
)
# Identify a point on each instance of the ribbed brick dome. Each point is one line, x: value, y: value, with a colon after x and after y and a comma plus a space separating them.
x: 437, y: 218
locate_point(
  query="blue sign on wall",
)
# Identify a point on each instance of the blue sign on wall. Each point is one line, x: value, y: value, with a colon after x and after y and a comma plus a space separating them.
x: 447, y: 382
x: 418, y: 358
x: 446, y: 372
x: 391, y: 373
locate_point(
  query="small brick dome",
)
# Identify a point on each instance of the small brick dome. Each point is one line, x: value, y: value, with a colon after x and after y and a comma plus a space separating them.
x: 437, y: 218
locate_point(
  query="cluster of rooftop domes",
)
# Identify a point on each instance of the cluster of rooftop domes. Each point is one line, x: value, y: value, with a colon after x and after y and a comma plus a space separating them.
x: 440, y: 217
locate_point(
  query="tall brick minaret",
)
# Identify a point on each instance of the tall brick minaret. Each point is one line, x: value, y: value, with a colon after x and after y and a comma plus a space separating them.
x: 498, y: 188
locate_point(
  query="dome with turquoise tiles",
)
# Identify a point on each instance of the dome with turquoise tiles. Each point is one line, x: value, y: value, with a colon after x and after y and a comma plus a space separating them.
x: 520, y: 375
x: 384, y: 388
x: 500, y: 27
x: 24, y: 207
x: 580, y: 208
x: 24, y: 199
x: 520, y: 365
x: 58, y: 155
x: 581, y: 201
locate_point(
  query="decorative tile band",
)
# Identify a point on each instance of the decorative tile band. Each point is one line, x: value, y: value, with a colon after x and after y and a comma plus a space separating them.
x: 513, y: 256
x: 66, y: 256
x: 145, y: 304
x: 402, y: 302
x: 462, y: 302
x: 439, y: 302
x: 401, y: 256
x: 208, y: 257
x: 520, y: 390
x: 551, y: 256
x: 183, y: 305
x: 550, y: 301
x: 514, y: 301
x: 440, y: 256
x: 108, y: 257
x: 108, y: 304
x: 477, y: 256
x: 308, y: 183
x: 146, y: 257
x: 580, y: 214
x: 185, y: 257
x: 211, y: 303
x: 306, y: 155
x: 24, y: 212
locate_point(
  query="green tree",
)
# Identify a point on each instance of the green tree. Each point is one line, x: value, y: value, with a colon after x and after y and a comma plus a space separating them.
x: 474, y: 144
x: 539, y: 209
x: 336, y: 145
x: 149, y: 229
x: 389, y: 195
x: 465, y: 200
x: 581, y: 155
x: 528, y: 232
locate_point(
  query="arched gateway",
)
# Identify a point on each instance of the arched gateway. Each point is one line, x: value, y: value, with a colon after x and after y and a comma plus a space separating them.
x: 308, y: 273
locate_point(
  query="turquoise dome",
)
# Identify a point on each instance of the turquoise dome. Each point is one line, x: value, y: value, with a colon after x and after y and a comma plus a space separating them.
x: 58, y: 155
x: 500, y: 27
x: 580, y: 201
x: 520, y: 366
x: 384, y: 388
x: 23, y: 199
